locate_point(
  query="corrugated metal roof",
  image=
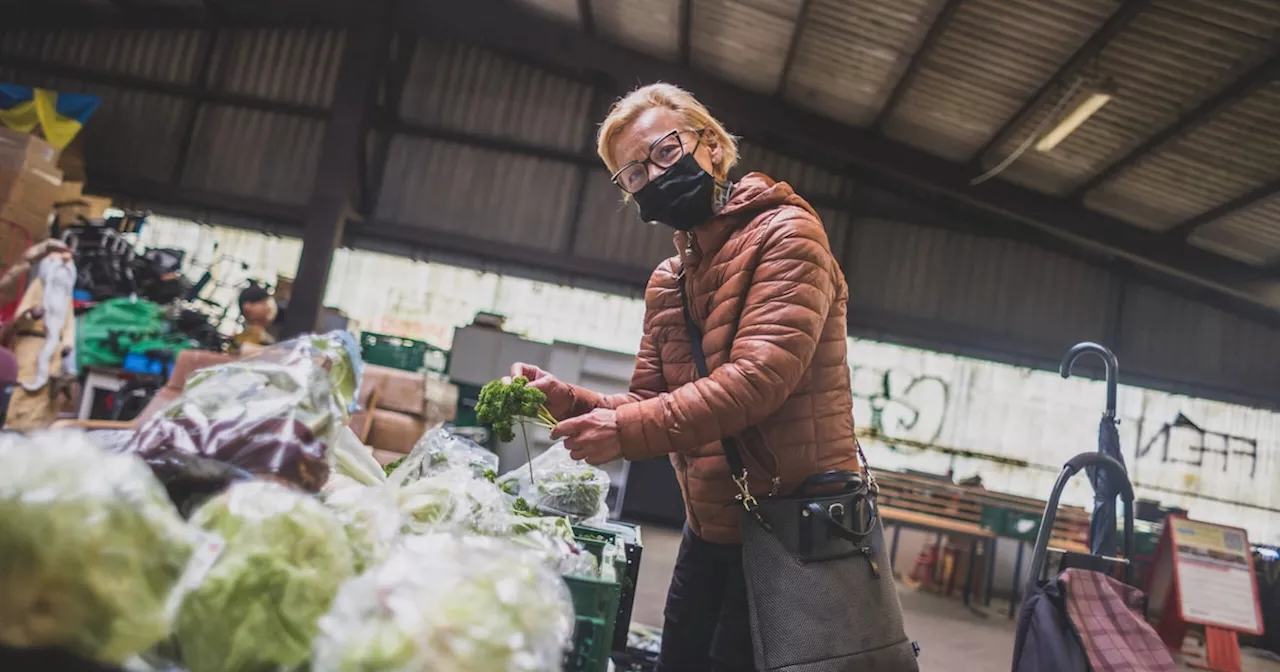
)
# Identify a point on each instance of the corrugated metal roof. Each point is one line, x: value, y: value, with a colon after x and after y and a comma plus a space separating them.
x: 743, y: 42
x: 453, y: 188
x: 807, y: 179
x: 1251, y: 235
x: 252, y: 153
x: 564, y: 11
x: 474, y: 91
x: 1164, y: 64
x: 992, y: 57
x: 1228, y: 156
x: 611, y: 230
x: 650, y: 26
x: 852, y: 52
x: 1187, y: 340
x: 1035, y: 298
x: 293, y: 66
x: 164, y: 56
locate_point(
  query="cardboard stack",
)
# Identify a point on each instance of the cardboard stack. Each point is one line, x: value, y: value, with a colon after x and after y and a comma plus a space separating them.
x: 30, y: 183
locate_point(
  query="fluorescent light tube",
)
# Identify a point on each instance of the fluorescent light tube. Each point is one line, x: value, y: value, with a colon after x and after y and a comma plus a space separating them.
x: 1071, y: 122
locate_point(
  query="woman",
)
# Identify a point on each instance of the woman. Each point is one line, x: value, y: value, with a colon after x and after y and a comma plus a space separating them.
x: 770, y: 299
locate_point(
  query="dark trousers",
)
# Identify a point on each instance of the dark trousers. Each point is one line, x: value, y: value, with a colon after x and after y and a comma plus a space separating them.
x: 707, y: 626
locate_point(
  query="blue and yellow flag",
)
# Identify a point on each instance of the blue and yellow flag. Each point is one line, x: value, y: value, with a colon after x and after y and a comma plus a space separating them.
x: 59, y: 116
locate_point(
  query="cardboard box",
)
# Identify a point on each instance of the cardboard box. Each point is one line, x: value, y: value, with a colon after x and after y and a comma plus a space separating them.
x: 71, y: 190
x: 34, y: 224
x: 22, y: 151
x: 34, y: 189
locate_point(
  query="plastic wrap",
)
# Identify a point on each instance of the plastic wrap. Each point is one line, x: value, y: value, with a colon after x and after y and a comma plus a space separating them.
x: 274, y: 413
x: 561, y: 486
x: 443, y: 602
x: 351, y: 458
x: 453, y: 501
x: 370, y: 517
x: 284, y: 558
x: 94, y: 554
x: 439, y: 451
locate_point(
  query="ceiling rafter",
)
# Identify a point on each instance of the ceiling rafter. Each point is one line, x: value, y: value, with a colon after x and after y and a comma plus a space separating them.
x: 686, y: 33
x: 1243, y: 202
x: 1242, y: 88
x: 802, y: 20
x: 936, y: 30
x: 587, y: 17
x: 1084, y: 56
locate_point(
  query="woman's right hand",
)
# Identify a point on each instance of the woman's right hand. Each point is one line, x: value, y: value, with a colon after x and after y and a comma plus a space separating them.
x: 560, y: 396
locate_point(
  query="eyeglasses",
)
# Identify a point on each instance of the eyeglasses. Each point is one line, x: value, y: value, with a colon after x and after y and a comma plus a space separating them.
x: 663, y: 153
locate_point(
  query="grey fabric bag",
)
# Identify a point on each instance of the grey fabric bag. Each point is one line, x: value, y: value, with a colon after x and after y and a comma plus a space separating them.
x: 812, y: 562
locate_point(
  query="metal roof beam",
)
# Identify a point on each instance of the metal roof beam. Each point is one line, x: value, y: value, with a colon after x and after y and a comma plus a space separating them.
x: 587, y: 17
x: 686, y: 33
x: 900, y: 88
x: 1114, y: 25
x: 802, y: 20
x: 874, y: 158
x: 1262, y: 192
x: 1242, y: 88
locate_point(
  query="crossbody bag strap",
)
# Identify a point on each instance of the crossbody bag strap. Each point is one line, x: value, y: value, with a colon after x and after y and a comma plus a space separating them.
x: 737, y: 469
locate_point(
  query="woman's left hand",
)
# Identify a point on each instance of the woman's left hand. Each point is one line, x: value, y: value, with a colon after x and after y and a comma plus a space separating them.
x: 592, y: 437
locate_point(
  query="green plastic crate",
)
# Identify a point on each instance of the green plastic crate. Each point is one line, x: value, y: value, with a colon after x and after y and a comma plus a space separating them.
x: 1010, y: 523
x: 406, y: 354
x: 594, y: 540
x: 591, y: 644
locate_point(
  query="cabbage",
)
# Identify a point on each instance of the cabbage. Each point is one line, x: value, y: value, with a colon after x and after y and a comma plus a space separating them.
x: 443, y: 602
x: 454, y: 501
x: 284, y: 558
x: 92, y: 548
x: 371, y: 520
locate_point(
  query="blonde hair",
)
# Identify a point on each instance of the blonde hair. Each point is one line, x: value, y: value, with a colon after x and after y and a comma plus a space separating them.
x: 676, y: 99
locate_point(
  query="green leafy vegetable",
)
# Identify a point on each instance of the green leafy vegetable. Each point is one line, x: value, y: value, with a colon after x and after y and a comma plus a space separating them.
x: 91, y: 548
x: 387, y: 469
x: 442, y: 602
x: 284, y: 559
x: 501, y: 405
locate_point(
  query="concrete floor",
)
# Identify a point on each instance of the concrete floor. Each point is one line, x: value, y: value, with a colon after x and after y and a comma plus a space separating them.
x: 951, y: 637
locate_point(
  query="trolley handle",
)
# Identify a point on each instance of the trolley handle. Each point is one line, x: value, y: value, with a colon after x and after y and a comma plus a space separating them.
x: 1074, y: 466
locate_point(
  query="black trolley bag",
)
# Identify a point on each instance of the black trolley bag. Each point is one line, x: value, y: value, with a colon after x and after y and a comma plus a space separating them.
x: 819, y: 580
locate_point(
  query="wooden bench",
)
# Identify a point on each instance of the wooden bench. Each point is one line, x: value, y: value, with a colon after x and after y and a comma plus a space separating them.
x: 943, y: 507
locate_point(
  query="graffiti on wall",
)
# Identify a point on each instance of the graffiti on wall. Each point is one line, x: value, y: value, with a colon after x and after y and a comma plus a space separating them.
x: 1182, y: 441
x: 903, y: 405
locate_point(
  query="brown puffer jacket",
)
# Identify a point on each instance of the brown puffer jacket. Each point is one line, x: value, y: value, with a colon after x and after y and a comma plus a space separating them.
x: 771, y: 301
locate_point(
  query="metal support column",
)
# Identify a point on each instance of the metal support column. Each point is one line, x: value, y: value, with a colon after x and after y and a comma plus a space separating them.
x: 336, y: 176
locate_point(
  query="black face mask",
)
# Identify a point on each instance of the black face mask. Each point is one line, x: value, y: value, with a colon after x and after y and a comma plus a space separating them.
x: 682, y: 198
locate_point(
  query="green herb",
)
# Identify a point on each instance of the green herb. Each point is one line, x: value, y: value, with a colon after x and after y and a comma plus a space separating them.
x: 392, y: 467
x: 502, y: 404
x: 523, y: 508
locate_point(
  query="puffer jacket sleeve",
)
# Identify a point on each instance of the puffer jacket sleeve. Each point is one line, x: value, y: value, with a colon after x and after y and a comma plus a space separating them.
x: 647, y: 380
x: 792, y: 290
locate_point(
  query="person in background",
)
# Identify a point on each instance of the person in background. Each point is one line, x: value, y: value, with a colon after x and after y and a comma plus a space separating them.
x: 770, y: 299
x: 258, y: 308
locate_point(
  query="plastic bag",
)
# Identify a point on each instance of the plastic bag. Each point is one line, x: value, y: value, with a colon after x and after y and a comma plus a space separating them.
x: 443, y: 602
x: 275, y: 413
x: 370, y: 517
x: 562, y: 486
x: 94, y: 552
x: 439, y: 451
x: 453, y: 501
x: 284, y: 558
x: 351, y: 458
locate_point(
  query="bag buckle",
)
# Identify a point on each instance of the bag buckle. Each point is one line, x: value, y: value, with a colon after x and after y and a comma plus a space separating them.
x: 744, y: 494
